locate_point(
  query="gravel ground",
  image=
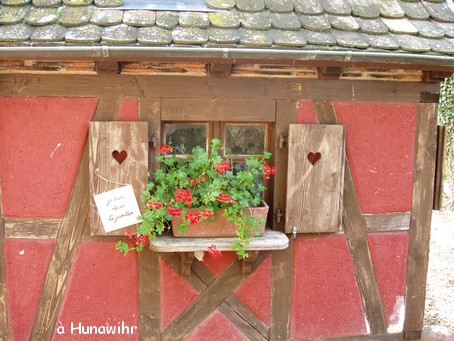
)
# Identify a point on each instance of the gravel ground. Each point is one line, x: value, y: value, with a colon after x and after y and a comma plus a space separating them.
x: 439, y: 309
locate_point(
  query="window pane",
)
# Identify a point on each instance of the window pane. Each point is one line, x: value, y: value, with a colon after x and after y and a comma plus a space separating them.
x: 186, y: 136
x: 244, y: 139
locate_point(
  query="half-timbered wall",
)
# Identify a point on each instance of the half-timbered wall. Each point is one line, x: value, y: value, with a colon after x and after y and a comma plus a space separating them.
x: 344, y: 284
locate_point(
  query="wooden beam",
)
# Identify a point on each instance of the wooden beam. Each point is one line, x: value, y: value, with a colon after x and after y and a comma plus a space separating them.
x: 32, y: 228
x: 439, y: 161
x: 220, y: 69
x: 69, y: 235
x: 387, y: 222
x: 4, y: 333
x: 281, y: 288
x: 107, y: 67
x: 355, y: 229
x: 292, y: 88
x: 419, y: 234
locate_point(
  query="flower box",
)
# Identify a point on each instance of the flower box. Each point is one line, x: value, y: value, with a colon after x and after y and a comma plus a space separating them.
x: 220, y: 227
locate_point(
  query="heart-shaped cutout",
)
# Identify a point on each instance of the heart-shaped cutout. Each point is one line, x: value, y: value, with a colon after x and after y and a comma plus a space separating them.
x: 313, y: 157
x: 119, y: 156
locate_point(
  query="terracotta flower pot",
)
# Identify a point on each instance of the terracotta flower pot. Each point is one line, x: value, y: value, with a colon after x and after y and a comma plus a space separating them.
x: 220, y: 227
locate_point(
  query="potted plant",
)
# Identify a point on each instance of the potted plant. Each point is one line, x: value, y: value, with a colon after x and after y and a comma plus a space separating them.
x: 193, y: 192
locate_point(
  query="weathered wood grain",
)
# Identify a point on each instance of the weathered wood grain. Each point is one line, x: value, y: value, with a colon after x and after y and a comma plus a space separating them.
x: 210, y: 87
x: 355, y: 229
x: 315, y: 178
x: 4, y: 333
x: 32, y: 228
x: 106, y: 173
x: 68, y: 237
x: 419, y: 234
x: 387, y: 222
x: 150, y: 111
x: 281, y: 287
x: 439, y: 161
x: 248, y: 110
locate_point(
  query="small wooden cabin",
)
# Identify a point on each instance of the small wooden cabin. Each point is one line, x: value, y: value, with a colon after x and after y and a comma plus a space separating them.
x: 343, y: 93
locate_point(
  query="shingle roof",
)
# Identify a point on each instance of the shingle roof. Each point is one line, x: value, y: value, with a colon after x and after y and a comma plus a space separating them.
x: 410, y: 26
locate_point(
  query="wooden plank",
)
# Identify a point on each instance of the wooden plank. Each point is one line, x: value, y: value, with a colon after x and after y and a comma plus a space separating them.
x: 376, y: 337
x: 315, y: 178
x: 207, y: 301
x: 150, y: 111
x: 217, y: 109
x: 285, y: 115
x: 281, y: 288
x: 271, y: 240
x: 4, y: 333
x: 210, y: 87
x: 419, y: 234
x: 355, y: 229
x: 439, y: 161
x: 32, y: 228
x: 149, y: 296
x: 387, y: 222
x: 69, y: 234
x: 110, y: 139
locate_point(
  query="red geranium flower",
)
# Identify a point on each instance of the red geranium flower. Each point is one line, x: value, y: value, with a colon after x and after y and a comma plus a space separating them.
x: 207, y: 214
x: 193, y: 218
x: 224, y: 198
x: 155, y: 205
x: 222, y: 166
x: 166, y: 149
x: 183, y: 195
x: 142, y: 240
x: 213, y: 251
x: 173, y: 211
x: 268, y: 171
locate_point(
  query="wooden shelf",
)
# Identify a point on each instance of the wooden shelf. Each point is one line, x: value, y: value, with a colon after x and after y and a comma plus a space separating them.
x: 271, y: 240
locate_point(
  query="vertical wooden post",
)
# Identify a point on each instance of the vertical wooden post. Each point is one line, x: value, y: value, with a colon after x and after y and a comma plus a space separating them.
x: 3, y: 315
x: 419, y: 234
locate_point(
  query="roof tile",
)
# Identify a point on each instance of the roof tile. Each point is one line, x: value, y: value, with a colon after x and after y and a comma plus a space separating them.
x: 288, y: 38
x: 441, y: 46
x: 428, y: 30
x: 319, y: 38
x: 391, y: 9
x: 49, y: 33
x: 154, y: 36
x: 46, y: 3
x: 252, y: 38
x: 343, y: 23
x: 77, y: 2
x: 336, y: 7
x: 107, y: 17
x: 250, y: 5
x: 229, y: 19
x: 189, y: 36
x: 364, y: 8
x: 415, y: 10
x: 279, y: 6
x: 220, y: 4
x: 372, y: 26
x: 194, y: 19
x: 223, y: 35
x: 19, y: 32
x: 41, y: 16
x: 119, y: 35
x: 75, y: 16
x: 382, y: 41
x: 439, y: 11
x: 401, y: 26
x: 87, y: 34
x: 317, y: 23
x: 447, y: 28
x: 255, y: 21
x: 139, y: 18
x: 109, y: 3
x: 411, y: 43
x: 12, y: 15
x: 168, y: 20
x: 309, y: 7
x: 285, y: 21
x: 349, y: 39
x: 15, y: 2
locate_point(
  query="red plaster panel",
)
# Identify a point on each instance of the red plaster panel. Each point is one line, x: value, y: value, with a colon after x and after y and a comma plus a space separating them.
x: 389, y: 256
x: 26, y: 268
x: 380, y: 148
x: 216, y: 327
x: 217, y: 265
x: 176, y: 294
x: 102, y: 291
x: 129, y: 109
x: 41, y: 142
x: 325, y: 298
x: 255, y: 292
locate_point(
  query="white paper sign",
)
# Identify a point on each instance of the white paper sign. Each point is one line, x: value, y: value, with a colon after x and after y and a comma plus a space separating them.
x: 117, y: 208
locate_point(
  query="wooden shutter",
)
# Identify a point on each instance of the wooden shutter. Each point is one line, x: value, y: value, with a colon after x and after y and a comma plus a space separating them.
x: 315, y: 179
x: 118, y: 156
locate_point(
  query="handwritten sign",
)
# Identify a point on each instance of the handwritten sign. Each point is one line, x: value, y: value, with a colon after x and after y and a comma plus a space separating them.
x: 117, y: 208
